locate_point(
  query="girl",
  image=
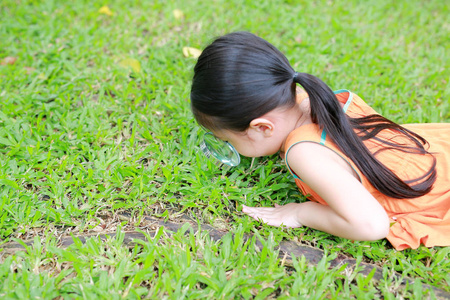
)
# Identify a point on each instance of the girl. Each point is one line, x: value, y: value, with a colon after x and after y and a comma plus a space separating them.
x: 367, y: 177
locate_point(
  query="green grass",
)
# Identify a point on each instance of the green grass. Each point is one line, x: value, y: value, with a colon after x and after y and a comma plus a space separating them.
x: 84, y: 138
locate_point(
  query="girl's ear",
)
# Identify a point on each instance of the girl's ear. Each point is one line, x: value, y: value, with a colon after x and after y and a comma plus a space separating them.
x: 262, y: 125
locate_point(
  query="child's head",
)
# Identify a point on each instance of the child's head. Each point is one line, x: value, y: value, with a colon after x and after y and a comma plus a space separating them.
x: 238, y: 78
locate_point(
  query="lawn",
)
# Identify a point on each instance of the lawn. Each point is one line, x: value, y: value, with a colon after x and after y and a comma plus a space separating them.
x: 96, y: 134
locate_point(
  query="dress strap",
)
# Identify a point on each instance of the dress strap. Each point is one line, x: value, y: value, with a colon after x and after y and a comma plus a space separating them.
x: 323, y: 137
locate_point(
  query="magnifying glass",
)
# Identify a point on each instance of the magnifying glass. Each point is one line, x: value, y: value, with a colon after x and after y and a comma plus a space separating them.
x: 221, y: 150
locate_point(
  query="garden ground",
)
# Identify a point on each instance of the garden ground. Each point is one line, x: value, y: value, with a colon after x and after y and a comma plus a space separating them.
x: 96, y: 136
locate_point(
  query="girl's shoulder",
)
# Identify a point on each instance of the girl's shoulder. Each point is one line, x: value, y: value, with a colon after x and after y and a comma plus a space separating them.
x: 305, y: 157
x: 310, y: 144
x: 312, y: 138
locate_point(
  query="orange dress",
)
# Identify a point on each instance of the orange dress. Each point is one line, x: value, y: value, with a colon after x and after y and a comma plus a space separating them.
x: 423, y: 220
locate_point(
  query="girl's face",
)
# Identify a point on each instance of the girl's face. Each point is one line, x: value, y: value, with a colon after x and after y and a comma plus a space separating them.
x: 266, y: 135
x: 260, y: 139
x: 246, y: 145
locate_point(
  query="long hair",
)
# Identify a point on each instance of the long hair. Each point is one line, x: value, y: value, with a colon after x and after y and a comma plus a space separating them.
x: 240, y: 77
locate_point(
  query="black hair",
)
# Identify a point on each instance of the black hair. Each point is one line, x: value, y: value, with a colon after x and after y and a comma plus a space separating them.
x: 240, y: 77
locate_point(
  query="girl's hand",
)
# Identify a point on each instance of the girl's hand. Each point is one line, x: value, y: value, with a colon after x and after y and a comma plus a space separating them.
x: 275, y: 216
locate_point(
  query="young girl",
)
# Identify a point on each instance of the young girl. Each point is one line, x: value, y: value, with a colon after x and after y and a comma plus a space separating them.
x: 367, y: 177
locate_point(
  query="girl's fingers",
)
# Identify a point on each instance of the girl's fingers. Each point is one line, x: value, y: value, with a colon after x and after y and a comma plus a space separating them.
x: 259, y: 211
x: 274, y: 216
x: 260, y: 214
x: 246, y: 209
x: 266, y: 215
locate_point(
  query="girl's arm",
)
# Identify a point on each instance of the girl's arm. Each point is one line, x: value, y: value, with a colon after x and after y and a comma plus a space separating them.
x: 352, y: 212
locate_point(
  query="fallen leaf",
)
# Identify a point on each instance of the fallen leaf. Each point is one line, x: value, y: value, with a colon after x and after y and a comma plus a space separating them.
x: 99, y: 228
x: 9, y: 60
x: 131, y: 63
x: 191, y: 52
x: 178, y: 14
x: 29, y: 70
x: 105, y: 10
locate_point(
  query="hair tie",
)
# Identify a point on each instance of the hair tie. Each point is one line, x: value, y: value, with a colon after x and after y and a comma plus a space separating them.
x: 295, y: 76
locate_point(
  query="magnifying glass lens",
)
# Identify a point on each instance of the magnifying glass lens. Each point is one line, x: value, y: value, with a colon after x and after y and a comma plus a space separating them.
x: 221, y: 150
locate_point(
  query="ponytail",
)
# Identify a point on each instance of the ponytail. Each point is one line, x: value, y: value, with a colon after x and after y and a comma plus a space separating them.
x: 328, y: 114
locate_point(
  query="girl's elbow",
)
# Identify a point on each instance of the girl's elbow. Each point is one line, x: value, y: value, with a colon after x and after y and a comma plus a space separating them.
x: 372, y: 229
x: 376, y: 229
x: 378, y: 234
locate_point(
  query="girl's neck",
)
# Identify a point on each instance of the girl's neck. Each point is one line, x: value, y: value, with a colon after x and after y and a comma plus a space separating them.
x: 295, y: 117
x: 303, y: 111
